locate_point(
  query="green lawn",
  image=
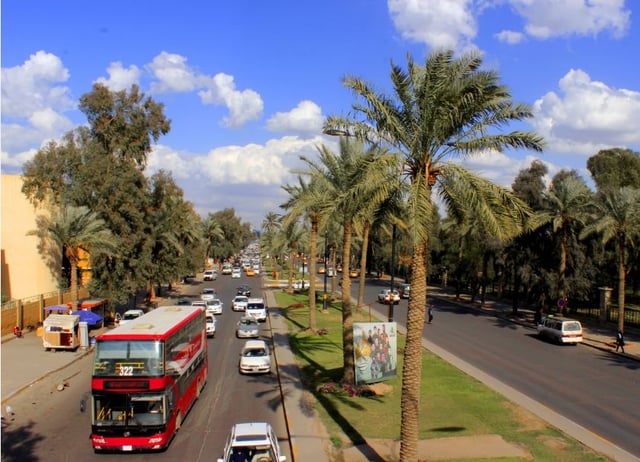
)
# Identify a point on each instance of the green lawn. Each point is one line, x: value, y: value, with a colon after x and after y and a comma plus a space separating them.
x: 452, y: 403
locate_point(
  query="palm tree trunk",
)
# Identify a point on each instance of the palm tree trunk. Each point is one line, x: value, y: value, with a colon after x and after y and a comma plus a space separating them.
x: 412, y: 368
x: 348, y: 375
x: 312, y: 274
x: 74, y: 283
x: 563, y: 268
x: 621, y: 283
x: 363, y: 263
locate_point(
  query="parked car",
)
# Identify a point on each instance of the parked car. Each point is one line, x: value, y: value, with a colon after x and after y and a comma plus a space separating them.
x: 388, y: 296
x: 211, y: 325
x: 129, y: 315
x: 210, y: 275
x: 247, y: 327
x: 255, y: 358
x: 244, y: 289
x: 239, y: 303
x: 561, y: 330
x: 208, y: 294
x: 253, y: 441
x: 256, y: 308
x: 214, y: 306
x: 405, y: 290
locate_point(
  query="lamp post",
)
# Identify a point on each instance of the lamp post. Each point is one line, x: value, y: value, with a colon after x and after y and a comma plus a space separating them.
x: 393, y: 272
x: 324, y: 294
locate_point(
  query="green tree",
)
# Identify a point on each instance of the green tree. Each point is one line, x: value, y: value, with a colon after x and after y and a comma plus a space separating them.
x: 71, y: 231
x: 615, y: 168
x: 444, y: 109
x: 619, y: 221
x: 352, y: 182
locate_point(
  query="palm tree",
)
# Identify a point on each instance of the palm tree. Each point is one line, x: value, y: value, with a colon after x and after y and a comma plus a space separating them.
x: 213, y: 234
x: 447, y: 108
x: 618, y: 220
x: 307, y: 199
x: 567, y: 206
x: 354, y: 181
x: 72, y: 230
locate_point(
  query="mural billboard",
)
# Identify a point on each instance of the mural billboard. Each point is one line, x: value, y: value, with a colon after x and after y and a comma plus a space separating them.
x: 376, y: 351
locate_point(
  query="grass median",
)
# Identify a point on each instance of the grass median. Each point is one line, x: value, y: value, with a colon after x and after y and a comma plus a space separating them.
x: 452, y: 402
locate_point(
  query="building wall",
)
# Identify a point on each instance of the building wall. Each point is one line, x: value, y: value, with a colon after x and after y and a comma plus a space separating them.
x: 24, y: 271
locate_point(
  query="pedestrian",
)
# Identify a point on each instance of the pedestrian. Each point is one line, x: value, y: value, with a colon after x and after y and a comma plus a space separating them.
x: 430, y: 314
x: 620, y: 341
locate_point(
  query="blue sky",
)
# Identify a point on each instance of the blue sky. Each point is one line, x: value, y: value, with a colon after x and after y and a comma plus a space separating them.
x: 248, y: 83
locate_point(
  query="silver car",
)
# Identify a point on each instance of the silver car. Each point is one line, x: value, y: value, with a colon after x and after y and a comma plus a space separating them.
x: 247, y: 327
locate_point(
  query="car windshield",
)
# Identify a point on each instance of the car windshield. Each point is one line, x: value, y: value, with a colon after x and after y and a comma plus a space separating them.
x: 248, y: 322
x: 254, y: 352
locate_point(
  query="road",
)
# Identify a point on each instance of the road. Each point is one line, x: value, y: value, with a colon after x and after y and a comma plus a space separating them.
x: 593, y: 388
x: 50, y: 426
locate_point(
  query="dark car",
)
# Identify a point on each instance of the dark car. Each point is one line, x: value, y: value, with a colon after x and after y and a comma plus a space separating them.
x: 244, y: 289
x: 405, y: 290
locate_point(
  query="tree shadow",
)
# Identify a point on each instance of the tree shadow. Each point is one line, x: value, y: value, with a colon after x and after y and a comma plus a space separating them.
x: 18, y: 444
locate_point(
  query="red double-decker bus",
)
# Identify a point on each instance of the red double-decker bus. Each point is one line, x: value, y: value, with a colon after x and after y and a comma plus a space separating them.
x: 146, y: 375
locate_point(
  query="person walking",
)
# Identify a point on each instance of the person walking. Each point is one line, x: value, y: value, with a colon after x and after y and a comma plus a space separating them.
x: 620, y: 341
x: 430, y: 314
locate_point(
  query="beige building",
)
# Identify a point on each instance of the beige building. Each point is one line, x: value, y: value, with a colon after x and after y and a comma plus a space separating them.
x: 24, y: 271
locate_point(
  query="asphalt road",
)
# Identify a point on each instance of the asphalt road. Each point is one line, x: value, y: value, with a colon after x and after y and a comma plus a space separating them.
x: 50, y: 426
x: 593, y: 388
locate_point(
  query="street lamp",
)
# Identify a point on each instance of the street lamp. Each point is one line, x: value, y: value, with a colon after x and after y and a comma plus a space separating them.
x: 393, y: 272
x: 324, y: 295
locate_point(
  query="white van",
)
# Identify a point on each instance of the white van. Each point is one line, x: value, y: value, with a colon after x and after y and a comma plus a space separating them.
x: 561, y: 330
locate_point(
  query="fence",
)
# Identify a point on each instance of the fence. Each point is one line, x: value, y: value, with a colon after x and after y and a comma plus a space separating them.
x: 29, y: 312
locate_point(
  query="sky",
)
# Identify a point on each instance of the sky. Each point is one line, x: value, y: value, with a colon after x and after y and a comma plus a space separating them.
x: 247, y: 84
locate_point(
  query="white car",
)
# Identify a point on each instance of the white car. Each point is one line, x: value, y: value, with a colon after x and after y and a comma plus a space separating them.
x: 255, y: 358
x: 239, y: 303
x: 129, y: 315
x: 214, y: 306
x: 236, y: 273
x: 256, y: 308
x: 210, y: 275
x: 208, y: 294
x: 211, y: 325
x: 227, y: 269
x: 561, y: 330
x: 388, y: 296
x: 298, y: 285
x: 254, y: 441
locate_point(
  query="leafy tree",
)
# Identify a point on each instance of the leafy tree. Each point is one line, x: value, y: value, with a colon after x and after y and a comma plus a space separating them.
x: 615, y: 168
x: 446, y: 108
x: 214, y: 238
x: 73, y: 231
x: 619, y: 221
x: 237, y: 235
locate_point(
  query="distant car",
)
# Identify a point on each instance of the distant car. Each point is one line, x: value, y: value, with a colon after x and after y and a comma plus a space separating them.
x: 183, y: 301
x: 322, y: 269
x: 250, y: 272
x: 299, y: 285
x: 208, y: 294
x: 253, y: 441
x: 236, y: 273
x: 130, y: 315
x: 354, y: 273
x: 210, y: 275
x: 405, y: 290
x: 561, y: 330
x: 256, y: 308
x: 239, y: 303
x: 211, y: 325
x: 331, y: 272
x: 244, y: 289
x: 200, y: 303
x: 256, y: 268
x: 247, y: 327
x: 388, y: 296
x: 214, y: 306
x: 227, y: 269
x: 255, y: 358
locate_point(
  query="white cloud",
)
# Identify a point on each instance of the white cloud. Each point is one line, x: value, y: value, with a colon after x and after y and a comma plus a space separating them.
x: 306, y: 117
x: 174, y: 75
x: 587, y: 115
x: 119, y: 77
x: 13, y: 163
x: 243, y: 105
x: 549, y: 18
x: 32, y: 86
x: 510, y: 37
x: 437, y: 23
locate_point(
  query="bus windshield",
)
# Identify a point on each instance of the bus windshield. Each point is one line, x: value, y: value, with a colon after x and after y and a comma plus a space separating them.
x: 129, y: 409
x: 129, y: 358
